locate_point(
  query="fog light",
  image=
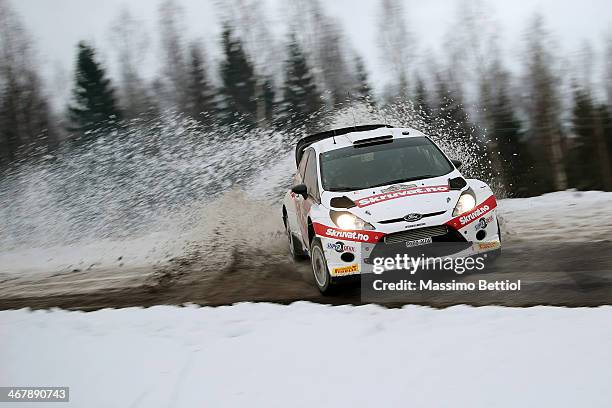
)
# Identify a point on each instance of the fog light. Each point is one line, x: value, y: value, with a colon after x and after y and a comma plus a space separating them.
x: 480, y: 235
x: 347, y: 257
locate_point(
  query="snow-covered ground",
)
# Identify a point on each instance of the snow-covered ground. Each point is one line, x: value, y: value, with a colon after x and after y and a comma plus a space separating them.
x: 310, y: 355
x: 143, y: 251
x: 564, y: 216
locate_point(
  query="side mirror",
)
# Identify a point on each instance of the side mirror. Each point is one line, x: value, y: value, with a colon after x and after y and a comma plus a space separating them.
x: 456, y: 163
x: 457, y: 183
x: 300, y: 189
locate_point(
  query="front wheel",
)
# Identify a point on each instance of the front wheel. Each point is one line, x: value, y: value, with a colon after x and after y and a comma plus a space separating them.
x: 319, y: 267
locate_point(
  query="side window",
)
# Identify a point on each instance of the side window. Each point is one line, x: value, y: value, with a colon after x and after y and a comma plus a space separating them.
x: 302, y: 166
x: 310, y: 176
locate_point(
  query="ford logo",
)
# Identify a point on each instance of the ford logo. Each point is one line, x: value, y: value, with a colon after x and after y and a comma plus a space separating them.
x: 413, y: 217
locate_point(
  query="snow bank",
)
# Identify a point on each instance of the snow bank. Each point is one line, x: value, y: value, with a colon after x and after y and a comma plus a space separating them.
x: 143, y: 251
x: 564, y: 216
x: 313, y: 355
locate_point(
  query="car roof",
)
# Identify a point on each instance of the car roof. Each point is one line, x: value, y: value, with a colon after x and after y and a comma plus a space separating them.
x: 345, y: 137
x: 352, y: 138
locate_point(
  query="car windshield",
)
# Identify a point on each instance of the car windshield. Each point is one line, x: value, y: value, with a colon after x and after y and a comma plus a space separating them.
x: 397, y: 161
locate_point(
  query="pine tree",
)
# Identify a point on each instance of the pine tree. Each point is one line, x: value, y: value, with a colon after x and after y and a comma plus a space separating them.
x: 238, y: 82
x: 173, y: 81
x: 93, y: 104
x: 396, y: 44
x: 421, y: 100
x: 513, y: 154
x: 588, y: 162
x: 200, y: 94
x: 337, y: 77
x: 363, y: 91
x: 269, y: 96
x: 130, y: 44
x: 450, y: 114
x: 26, y: 120
x: 602, y: 141
x: 301, y: 98
x: 605, y: 115
x: 322, y: 41
x: 582, y: 154
x: 544, y: 107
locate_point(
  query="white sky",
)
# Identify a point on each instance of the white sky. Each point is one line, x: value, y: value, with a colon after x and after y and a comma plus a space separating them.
x: 57, y: 26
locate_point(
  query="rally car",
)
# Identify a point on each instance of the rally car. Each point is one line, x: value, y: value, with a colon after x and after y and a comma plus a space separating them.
x: 361, y: 190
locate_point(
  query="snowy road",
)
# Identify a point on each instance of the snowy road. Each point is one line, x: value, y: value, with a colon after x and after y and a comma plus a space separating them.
x: 558, y: 245
x: 569, y: 274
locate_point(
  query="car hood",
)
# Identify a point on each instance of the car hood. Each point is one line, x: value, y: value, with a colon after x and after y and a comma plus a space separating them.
x: 398, y: 200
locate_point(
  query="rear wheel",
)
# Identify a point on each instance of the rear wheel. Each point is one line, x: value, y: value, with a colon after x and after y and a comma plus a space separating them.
x: 319, y: 267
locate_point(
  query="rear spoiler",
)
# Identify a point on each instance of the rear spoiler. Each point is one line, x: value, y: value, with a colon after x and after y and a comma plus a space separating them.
x: 303, y: 143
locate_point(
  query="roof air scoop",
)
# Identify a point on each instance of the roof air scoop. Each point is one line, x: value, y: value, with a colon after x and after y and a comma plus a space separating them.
x: 372, y: 140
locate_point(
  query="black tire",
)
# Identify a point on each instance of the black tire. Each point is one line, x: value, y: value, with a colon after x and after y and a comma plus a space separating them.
x: 320, y: 271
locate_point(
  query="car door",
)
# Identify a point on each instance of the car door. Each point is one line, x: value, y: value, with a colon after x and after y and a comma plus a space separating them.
x: 310, y: 180
x: 297, y: 199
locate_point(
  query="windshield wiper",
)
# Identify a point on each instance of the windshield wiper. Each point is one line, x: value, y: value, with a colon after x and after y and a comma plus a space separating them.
x: 344, y: 189
x: 404, y: 180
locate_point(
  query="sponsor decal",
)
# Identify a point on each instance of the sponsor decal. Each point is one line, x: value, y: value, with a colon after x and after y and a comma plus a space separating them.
x: 413, y: 217
x: 379, y: 198
x: 346, y: 270
x: 418, y: 242
x: 464, y: 219
x: 340, y: 247
x: 347, y: 235
x: 398, y: 187
x: 489, y: 245
x: 483, y: 223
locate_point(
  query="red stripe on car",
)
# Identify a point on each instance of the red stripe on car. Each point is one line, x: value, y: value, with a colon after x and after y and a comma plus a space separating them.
x: 347, y: 235
x: 469, y: 217
x: 379, y: 198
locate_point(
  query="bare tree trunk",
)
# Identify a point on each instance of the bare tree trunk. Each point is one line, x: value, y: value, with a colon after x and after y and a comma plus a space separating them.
x: 261, y: 104
x: 559, y: 175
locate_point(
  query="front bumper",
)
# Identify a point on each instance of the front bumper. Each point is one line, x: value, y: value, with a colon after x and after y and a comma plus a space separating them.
x: 346, y: 258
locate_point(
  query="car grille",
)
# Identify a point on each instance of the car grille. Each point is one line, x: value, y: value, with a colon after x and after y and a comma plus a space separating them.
x: 415, y: 234
x: 394, y: 220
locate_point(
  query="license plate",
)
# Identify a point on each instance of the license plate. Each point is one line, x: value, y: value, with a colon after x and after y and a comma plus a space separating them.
x: 418, y: 242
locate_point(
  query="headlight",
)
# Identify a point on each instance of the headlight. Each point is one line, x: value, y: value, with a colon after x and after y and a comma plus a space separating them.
x: 466, y: 203
x: 347, y: 221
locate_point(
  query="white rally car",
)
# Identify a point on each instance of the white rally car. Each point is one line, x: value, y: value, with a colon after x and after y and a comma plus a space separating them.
x: 359, y: 189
